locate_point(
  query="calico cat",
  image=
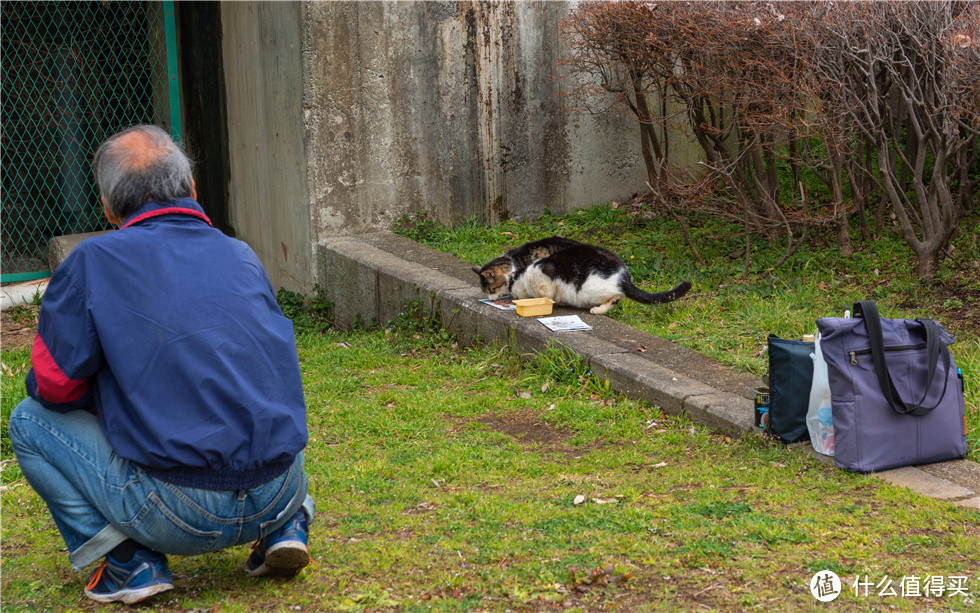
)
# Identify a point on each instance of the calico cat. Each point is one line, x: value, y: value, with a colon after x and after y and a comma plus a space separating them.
x: 495, y: 277
x: 570, y: 273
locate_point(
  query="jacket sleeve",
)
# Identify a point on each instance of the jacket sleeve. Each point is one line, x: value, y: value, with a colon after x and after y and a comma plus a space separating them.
x: 66, y: 352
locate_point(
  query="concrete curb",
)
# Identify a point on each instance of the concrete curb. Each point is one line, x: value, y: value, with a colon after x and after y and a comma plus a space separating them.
x: 60, y: 246
x: 22, y: 293
x: 371, y: 276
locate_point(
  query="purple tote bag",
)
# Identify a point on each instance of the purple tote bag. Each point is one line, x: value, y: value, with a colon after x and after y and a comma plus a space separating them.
x: 896, y: 395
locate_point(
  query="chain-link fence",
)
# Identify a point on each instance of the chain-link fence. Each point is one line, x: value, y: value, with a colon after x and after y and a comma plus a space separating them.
x: 73, y: 73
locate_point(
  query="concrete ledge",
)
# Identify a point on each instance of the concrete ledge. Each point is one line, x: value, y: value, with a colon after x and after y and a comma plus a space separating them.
x: 471, y: 321
x: 924, y: 483
x: 22, y: 293
x: 644, y: 380
x: 60, y: 246
x: 969, y: 503
x: 722, y: 411
x: 369, y: 285
x: 369, y: 277
x: 966, y: 474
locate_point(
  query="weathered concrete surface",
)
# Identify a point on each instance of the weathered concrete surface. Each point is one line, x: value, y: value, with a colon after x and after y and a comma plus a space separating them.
x: 455, y: 109
x: 969, y: 503
x: 966, y: 474
x: 343, y: 117
x: 369, y: 276
x: 935, y: 487
x: 368, y: 285
x: 60, y: 246
x: 268, y: 194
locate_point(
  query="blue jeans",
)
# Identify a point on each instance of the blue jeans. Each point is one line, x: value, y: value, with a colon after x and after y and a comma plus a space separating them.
x: 98, y: 499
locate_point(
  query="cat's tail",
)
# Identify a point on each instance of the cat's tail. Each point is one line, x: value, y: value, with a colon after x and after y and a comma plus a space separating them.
x: 635, y: 293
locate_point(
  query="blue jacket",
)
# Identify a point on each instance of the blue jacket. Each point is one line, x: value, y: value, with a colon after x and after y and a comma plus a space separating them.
x: 170, y: 332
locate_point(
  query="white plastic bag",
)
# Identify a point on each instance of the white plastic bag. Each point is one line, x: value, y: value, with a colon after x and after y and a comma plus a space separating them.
x: 819, y: 417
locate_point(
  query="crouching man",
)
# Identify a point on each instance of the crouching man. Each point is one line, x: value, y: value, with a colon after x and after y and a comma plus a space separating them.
x: 165, y: 411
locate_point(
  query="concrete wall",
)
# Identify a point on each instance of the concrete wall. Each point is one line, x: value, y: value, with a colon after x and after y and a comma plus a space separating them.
x: 268, y: 198
x: 345, y: 116
x: 452, y: 108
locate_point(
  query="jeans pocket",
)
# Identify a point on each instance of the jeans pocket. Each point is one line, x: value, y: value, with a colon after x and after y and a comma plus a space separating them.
x: 170, y: 531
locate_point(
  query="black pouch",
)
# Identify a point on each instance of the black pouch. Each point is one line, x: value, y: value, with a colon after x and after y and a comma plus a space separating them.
x: 790, y: 379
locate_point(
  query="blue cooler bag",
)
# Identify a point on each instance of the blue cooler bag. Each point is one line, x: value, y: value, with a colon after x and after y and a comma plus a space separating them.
x: 896, y: 396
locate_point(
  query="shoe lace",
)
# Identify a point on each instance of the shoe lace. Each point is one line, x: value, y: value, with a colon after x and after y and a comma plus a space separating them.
x: 96, y: 576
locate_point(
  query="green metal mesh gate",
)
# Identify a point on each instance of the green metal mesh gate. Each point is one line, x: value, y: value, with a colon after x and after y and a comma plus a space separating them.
x: 73, y: 73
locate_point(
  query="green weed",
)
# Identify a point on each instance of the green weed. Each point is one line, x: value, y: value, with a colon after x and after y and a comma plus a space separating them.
x: 310, y: 315
x: 23, y: 314
x: 15, y: 364
x: 417, y: 329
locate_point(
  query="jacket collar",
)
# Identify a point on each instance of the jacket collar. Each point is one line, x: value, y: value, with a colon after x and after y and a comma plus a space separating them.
x: 180, y: 206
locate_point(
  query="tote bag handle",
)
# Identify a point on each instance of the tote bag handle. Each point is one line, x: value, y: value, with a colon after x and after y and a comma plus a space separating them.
x: 934, y: 349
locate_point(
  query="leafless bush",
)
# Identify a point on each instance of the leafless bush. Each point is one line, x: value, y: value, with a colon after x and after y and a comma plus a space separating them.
x: 860, y: 94
x: 907, y: 79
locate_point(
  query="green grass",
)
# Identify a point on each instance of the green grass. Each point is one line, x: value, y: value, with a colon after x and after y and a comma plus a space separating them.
x: 15, y: 364
x: 727, y: 315
x: 446, y: 480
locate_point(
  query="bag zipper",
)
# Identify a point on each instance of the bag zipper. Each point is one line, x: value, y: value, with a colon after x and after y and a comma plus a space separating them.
x: 854, y: 354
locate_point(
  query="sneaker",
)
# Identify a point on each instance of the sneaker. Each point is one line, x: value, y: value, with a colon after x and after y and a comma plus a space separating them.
x: 143, y: 576
x: 283, y: 552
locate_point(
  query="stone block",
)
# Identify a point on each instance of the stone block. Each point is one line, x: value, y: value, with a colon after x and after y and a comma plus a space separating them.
x: 924, y: 483
x: 969, y: 503
x: 60, y: 246
x: 472, y: 321
x: 637, y: 378
x: 722, y: 411
x: 349, y: 280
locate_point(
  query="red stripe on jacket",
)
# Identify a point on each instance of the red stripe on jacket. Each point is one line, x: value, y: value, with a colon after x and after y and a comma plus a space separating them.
x: 170, y: 210
x: 52, y: 383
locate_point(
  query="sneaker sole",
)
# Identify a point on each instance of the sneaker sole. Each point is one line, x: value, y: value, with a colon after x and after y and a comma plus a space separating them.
x: 131, y: 596
x: 285, y: 558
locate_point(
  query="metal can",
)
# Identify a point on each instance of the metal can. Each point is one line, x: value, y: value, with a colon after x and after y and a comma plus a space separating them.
x: 762, y: 408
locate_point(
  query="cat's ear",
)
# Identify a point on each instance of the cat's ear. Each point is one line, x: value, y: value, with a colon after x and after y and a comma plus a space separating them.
x: 476, y: 269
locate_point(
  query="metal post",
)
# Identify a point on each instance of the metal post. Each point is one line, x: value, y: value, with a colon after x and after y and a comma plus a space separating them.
x: 173, y: 82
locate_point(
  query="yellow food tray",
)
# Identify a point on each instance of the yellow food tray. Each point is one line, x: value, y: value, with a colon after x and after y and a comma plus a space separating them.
x: 532, y: 307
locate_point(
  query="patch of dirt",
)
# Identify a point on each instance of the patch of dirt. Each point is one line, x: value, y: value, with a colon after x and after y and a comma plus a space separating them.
x: 18, y: 327
x: 528, y: 428
x: 958, y: 308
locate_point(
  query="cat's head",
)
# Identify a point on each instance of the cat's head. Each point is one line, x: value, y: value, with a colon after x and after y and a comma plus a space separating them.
x: 495, y: 277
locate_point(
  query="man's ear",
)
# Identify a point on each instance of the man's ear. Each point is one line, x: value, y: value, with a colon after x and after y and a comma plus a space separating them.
x: 109, y: 216
x: 193, y: 190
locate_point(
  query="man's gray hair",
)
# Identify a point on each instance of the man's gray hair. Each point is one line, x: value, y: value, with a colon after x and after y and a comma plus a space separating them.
x: 128, y: 177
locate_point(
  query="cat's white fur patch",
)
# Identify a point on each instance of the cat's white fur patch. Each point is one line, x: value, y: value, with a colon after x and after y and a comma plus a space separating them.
x: 596, y: 290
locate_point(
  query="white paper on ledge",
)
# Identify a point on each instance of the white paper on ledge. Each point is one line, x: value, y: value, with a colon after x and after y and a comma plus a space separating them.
x: 564, y: 322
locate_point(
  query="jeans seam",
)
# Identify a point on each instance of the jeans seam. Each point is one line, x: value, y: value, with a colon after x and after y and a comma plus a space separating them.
x: 68, y: 443
x: 279, y: 496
